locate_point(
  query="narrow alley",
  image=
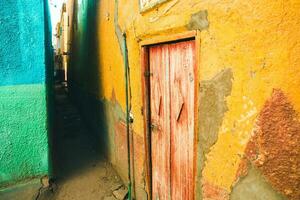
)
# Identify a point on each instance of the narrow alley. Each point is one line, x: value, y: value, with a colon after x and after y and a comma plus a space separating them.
x: 80, y: 170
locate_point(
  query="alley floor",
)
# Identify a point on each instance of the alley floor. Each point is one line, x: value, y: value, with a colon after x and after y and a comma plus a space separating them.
x: 80, y: 171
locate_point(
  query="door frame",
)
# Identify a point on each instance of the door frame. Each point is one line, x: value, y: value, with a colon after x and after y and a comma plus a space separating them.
x: 146, y: 110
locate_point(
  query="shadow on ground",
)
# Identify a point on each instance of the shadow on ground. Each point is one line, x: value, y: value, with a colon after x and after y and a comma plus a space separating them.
x: 79, y: 170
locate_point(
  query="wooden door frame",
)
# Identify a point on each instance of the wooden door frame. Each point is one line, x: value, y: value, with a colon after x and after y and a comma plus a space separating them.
x: 146, y: 110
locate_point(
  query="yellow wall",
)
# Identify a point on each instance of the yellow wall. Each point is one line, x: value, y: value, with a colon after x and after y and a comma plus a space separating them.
x: 258, y: 40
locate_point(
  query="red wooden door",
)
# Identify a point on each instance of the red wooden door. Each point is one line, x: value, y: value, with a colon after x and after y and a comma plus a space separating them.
x: 182, y: 64
x: 172, y: 117
x: 160, y: 120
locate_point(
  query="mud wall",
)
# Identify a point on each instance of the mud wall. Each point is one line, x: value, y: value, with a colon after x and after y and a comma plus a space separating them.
x: 248, y: 56
x: 25, y: 59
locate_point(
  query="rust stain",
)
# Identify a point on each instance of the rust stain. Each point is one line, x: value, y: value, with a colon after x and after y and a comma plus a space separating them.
x: 275, y: 146
x: 113, y: 98
x: 121, y: 161
x: 213, y: 192
x: 242, y: 170
x: 138, y: 165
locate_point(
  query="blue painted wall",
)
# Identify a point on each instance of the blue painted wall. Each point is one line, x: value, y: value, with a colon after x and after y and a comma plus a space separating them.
x: 22, y: 42
x: 25, y: 85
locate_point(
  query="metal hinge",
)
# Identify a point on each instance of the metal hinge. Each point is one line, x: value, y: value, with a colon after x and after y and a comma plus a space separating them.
x: 148, y: 74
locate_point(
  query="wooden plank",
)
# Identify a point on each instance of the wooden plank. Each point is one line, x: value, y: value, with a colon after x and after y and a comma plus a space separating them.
x: 146, y: 113
x: 196, y: 106
x: 182, y: 77
x: 160, y: 120
x: 168, y: 38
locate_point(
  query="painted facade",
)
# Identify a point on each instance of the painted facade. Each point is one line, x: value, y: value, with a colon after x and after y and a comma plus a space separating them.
x: 25, y: 59
x: 248, y: 130
x: 63, y: 39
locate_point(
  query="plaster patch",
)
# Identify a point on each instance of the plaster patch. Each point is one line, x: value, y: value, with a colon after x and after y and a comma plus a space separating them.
x: 199, y: 21
x: 254, y: 186
x: 212, y: 108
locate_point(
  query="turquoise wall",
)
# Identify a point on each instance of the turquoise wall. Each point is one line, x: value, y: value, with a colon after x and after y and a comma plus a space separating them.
x: 25, y: 55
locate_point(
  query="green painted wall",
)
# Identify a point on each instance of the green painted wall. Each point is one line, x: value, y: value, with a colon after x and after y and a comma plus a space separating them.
x: 25, y: 85
x: 23, y: 130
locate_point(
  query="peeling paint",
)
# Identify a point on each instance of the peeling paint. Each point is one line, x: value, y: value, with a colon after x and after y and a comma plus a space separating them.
x: 213, y: 192
x: 146, y: 5
x: 212, y: 107
x: 154, y: 19
x: 118, y: 30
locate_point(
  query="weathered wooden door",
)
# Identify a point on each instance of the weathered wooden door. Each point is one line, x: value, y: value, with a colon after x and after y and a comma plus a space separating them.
x: 172, y: 83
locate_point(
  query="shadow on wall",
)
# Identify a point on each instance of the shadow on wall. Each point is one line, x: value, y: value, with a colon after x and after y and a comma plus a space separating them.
x: 49, y: 53
x: 85, y: 85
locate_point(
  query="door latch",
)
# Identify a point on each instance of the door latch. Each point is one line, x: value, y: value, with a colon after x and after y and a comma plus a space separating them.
x: 148, y: 74
x: 155, y: 127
